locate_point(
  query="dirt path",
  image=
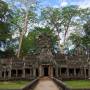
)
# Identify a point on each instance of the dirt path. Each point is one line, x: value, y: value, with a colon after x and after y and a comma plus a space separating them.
x: 46, y: 84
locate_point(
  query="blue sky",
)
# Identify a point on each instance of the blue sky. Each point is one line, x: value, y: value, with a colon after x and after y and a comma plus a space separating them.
x: 62, y: 3
x: 59, y: 3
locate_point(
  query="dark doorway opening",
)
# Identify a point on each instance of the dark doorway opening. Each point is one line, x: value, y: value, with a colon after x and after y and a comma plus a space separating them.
x: 19, y: 73
x: 54, y: 72
x: 37, y: 73
x: 45, y: 71
x: 87, y: 72
x: 13, y: 73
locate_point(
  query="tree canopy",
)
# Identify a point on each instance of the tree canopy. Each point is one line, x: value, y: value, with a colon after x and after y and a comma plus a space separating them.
x: 30, y: 42
x: 5, y: 29
x: 5, y: 17
x: 20, y: 26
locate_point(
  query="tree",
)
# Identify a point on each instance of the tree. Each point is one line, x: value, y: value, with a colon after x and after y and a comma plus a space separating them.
x: 30, y: 44
x: 5, y: 30
x: 76, y: 39
x: 52, y: 17
x: 4, y: 21
x: 22, y: 19
x: 27, y: 5
x: 84, y: 41
x: 5, y: 26
x: 62, y: 20
x: 86, y: 38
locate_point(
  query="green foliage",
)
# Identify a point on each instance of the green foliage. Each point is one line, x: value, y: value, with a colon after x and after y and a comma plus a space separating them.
x: 76, y: 39
x: 7, y: 53
x: 30, y: 42
x: 3, y: 9
x: 4, y: 21
x: 5, y: 29
x: 87, y: 28
x: 60, y: 19
x: 86, y: 41
x: 86, y: 38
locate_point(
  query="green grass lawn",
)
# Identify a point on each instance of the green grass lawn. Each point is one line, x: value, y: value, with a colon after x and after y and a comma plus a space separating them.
x: 78, y: 83
x: 13, y: 84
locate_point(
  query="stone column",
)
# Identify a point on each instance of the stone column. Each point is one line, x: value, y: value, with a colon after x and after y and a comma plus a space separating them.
x: 0, y: 74
x: 67, y: 72
x: 34, y: 72
x: 75, y: 72
x: 4, y: 71
x: 57, y: 72
x: 4, y: 74
x: 85, y: 72
x: 40, y: 71
x: 51, y: 71
x: 23, y: 75
x: 9, y: 75
x: 89, y: 71
x: 81, y: 72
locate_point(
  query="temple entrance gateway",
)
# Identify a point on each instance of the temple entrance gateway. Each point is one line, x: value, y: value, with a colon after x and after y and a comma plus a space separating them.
x: 46, y: 71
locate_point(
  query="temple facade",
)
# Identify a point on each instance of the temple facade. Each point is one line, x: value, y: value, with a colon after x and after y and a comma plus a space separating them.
x: 45, y: 63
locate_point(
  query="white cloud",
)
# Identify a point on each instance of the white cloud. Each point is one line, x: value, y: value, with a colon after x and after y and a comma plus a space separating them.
x: 81, y: 3
x: 84, y: 3
x: 64, y: 3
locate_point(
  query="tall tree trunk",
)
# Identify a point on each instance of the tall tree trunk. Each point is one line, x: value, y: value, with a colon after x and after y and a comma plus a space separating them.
x: 66, y: 30
x: 22, y: 34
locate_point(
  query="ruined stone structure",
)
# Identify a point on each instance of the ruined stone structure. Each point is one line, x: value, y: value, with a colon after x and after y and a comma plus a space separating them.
x: 45, y: 63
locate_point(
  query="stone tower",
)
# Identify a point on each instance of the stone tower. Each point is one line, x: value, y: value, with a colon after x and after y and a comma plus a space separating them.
x: 45, y: 56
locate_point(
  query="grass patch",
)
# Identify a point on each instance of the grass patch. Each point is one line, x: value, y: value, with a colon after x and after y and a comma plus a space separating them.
x: 78, y: 83
x: 13, y: 84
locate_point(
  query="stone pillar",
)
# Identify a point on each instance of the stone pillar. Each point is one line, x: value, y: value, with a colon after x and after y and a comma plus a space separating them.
x: 75, y: 72
x: 85, y: 72
x: 40, y: 71
x: 0, y: 74
x: 57, y: 72
x: 23, y: 75
x: 9, y: 75
x: 89, y: 71
x: 4, y: 74
x: 67, y: 72
x: 81, y: 72
x: 34, y: 72
x: 51, y: 71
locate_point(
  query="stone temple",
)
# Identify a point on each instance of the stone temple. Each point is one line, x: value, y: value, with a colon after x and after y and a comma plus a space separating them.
x: 45, y: 63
